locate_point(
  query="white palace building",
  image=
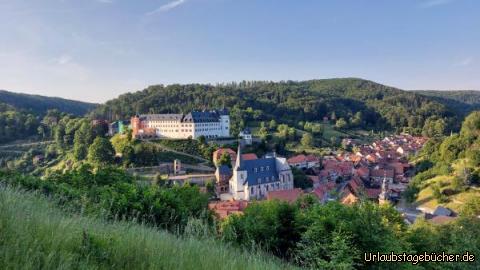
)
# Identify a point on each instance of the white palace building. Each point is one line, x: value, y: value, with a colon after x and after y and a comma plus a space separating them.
x: 210, y: 124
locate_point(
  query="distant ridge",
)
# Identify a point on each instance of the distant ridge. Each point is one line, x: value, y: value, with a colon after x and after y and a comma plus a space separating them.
x: 461, y: 100
x: 37, y: 104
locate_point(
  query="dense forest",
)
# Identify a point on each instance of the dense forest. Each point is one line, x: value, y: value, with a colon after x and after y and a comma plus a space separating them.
x: 461, y: 101
x: 39, y: 105
x: 21, y: 114
x: 360, y: 103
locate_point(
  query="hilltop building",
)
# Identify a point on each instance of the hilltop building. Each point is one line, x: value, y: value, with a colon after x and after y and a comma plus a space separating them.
x: 210, y: 124
x: 254, y: 178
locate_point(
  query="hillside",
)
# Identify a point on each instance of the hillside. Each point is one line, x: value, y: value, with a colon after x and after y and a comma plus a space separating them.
x: 360, y: 102
x: 39, y: 105
x: 37, y: 235
x: 449, y: 170
x: 21, y: 114
x: 463, y: 100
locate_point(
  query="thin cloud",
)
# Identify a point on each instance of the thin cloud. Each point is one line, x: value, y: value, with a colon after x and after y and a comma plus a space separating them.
x: 434, y: 3
x: 105, y: 1
x: 166, y: 7
x: 464, y: 62
x: 62, y: 60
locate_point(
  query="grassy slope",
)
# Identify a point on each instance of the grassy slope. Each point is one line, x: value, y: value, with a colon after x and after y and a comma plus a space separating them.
x: 34, y: 234
x: 455, y: 202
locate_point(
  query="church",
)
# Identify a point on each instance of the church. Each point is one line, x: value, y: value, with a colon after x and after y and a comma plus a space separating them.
x: 254, y: 178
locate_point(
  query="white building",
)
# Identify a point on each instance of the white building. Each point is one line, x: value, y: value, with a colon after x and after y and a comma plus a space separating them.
x: 246, y: 136
x: 252, y: 179
x: 210, y: 124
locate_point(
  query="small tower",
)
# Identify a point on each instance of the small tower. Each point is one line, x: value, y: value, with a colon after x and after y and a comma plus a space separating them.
x: 239, y: 177
x: 384, y: 195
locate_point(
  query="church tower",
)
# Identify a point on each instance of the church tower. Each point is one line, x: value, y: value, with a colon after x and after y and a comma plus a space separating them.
x: 239, y: 177
x: 384, y: 195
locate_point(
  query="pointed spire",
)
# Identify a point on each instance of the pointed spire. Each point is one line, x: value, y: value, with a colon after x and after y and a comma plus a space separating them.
x: 238, y: 162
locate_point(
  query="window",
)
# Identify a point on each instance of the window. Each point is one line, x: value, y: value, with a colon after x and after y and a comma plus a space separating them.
x: 268, y: 168
x: 256, y: 169
x: 259, y: 180
x: 261, y: 169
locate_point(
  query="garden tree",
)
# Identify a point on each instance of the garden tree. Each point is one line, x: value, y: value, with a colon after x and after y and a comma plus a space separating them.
x: 307, y: 140
x: 263, y: 133
x: 286, y: 133
x: 210, y: 187
x: 59, y: 134
x: 270, y: 225
x: 224, y: 159
x: 357, y: 119
x: 82, y: 139
x: 292, y: 134
x: 120, y: 141
x: 341, y: 123
x: 101, y: 152
x: 128, y: 155
x: 434, y: 127
x: 300, y: 179
x: 332, y: 229
x: 471, y: 126
x: 317, y: 129
x: 202, y: 140
x: 451, y: 148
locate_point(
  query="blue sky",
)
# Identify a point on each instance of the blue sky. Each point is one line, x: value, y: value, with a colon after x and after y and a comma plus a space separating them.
x: 94, y: 50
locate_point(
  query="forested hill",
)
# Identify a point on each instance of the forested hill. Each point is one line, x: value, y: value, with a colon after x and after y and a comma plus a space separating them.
x: 360, y: 102
x: 21, y: 114
x: 39, y: 105
x: 464, y: 100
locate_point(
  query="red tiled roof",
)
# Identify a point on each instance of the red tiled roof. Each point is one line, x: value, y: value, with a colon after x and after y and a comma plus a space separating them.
x: 302, y: 158
x: 382, y: 173
x: 249, y: 156
x: 297, y: 159
x: 312, y: 158
x: 226, y: 208
x: 290, y: 195
x: 363, y: 171
x: 373, y: 193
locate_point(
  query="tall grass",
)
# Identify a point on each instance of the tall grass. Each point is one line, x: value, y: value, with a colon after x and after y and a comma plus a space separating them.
x: 36, y: 234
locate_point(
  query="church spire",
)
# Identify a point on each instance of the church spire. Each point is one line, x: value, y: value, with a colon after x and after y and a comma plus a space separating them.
x: 383, y: 197
x: 238, y: 162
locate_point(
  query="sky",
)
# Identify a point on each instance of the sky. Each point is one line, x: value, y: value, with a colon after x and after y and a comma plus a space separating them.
x: 95, y: 50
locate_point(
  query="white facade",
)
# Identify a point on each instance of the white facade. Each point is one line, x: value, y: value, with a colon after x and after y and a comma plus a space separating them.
x: 253, y: 179
x: 211, y: 124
